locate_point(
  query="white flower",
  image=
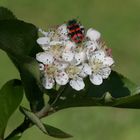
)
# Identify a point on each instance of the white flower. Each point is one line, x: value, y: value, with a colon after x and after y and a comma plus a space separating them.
x: 45, y: 57
x: 72, y: 71
x: 44, y: 42
x: 63, y: 32
x: 53, y: 43
x: 69, y: 45
x: 48, y: 82
x: 93, y: 34
x: 61, y: 65
x: 43, y: 32
x: 85, y: 70
x: 62, y: 29
x: 52, y: 75
x: 77, y: 83
x: 79, y: 57
x: 67, y: 56
x: 100, y: 65
x: 96, y: 79
x: 98, y: 55
x: 106, y: 72
x: 108, y: 61
x: 50, y: 38
x: 65, y: 61
x: 61, y: 78
x: 91, y: 46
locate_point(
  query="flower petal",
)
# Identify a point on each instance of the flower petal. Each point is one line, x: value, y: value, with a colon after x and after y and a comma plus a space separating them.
x: 80, y: 57
x: 85, y: 70
x: 60, y: 65
x: 70, y: 45
x: 93, y: 34
x: 90, y: 48
x: 62, y: 30
x: 96, y: 79
x: 82, y: 73
x: 105, y: 72
x: 48, y: 82
x: 99, y: 55
x: 43, y: 32
x: 91, y: 45
x: 56, y: 43
x: 67, y: 56
x: 108, y: 61
x: 43, y: 41
x: 77, y: 83
x: 45, y: 47
x: 45, y: 58
x: 61, y: 78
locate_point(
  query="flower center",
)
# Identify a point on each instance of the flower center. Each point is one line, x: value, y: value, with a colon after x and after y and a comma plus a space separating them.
x: 50, y: 69
x: 96, y: 66
x: 72, y: 71
x: 56, y: 50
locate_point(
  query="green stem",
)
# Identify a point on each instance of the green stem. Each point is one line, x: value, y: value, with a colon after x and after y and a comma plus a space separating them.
x: 20, y: 129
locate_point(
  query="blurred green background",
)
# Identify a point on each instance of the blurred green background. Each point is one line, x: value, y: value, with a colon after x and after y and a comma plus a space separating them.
x: 119, y: 23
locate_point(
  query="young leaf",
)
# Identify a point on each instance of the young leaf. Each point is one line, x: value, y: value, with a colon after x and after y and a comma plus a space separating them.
x: 34, y: 119
x: 47, y: 129
x: 116, y: 91
x: 10, y: 97
x: 55, y: 132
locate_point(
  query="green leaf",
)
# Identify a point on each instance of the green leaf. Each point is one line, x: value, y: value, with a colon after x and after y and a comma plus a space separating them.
x: 116, y: 91
x: 6, y: 14
x: 18, y: 37
x: 34, y: 119
x: 18, y: 40
x: 11, y: 95
x: 55, y: 132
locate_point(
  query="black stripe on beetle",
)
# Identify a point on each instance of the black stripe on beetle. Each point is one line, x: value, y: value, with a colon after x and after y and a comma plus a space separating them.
x: 75, y: 31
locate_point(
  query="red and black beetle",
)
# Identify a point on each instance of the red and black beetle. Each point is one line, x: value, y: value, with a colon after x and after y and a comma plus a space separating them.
x: 75, y: 31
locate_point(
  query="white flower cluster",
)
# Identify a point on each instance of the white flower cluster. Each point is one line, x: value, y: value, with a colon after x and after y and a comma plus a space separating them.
x: 64, y: 61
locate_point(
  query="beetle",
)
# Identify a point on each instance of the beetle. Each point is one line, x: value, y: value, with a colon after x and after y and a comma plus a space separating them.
x: 75, y: 31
